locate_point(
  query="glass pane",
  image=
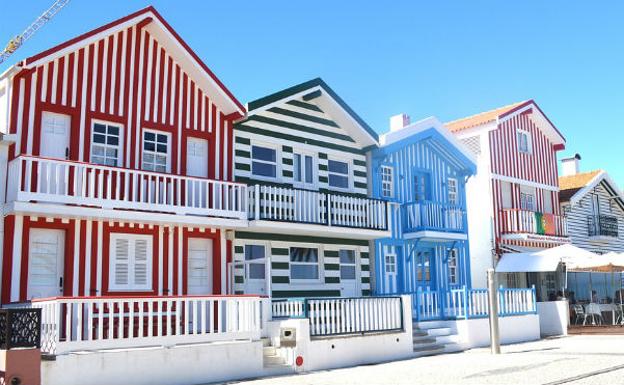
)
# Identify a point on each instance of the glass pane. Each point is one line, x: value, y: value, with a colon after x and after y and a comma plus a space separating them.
x: 161, y: 160
x: 149, y: 136
x: 99, y: 128
x: 256, y: 271
x: 338, y: 167
x: 162, y: 148
x: 303, y: 254
x: 162, y: 138
x: 160, y: 168
x: 308, y: 169
x: 111, y: 162
x: 98, y: 150
x: 347, y: 272
x: 113, y: 130
x: 112, y: 140
x: 263, y: 169
x: 111, y: 152
x: 149, y: 146
x: 263, y: 153
x: 97, y: 159
x: 97, y: 138
x: 338, y: 181
x: 148, y: 158
x: 347, y: 256
x: 254, y: 252
x: 297, y: 167
x: 304, y: 271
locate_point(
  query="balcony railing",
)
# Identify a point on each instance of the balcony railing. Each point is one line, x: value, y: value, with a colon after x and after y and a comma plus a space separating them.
x: 304, y: 206
x: 602, y: 226
x: 517, y: 221
x: 85, y: 184
x: 428, y: 215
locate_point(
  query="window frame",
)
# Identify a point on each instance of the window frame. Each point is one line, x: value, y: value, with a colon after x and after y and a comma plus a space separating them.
x: 390, y: 251
x: 278, y: 168
x: 529, y: 141
x: 453, y: 255
x: 120, y: 144
x: 356, y: 264
x: 526, y: 191
x: 454, y: 201
x: 248, y: 262
x: 418, y: 173
x: 131, y: 287
x: 302, y: 183
x: 169, y: 147
x: 319, y: 252
x: 349, y: 173
x: 389, y: 183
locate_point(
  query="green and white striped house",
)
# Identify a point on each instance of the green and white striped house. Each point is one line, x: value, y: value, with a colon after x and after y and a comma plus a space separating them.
x: 304, y: 154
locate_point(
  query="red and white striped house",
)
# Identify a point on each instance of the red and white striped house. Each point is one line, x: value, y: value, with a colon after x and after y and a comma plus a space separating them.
x: 513, y: 202
x: 117, y: 147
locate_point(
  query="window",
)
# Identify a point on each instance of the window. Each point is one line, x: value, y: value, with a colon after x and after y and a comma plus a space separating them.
x: 452, y: 266
x: 304, y: 263
x: 338, y: 173
x: 451, y: 188
x: 155, y: 151
x: 421, y: 187
x: 524, y: 141
x: 527, y: 201
x: 130, y: 262
x: 347, y: 264
x: 303, y: 169
x: 255, y: 259
x: 387, y: 181
x: 423, y: 267
x: 105, y: 144
x: 390, y: 259
x: 264, y: 161
x: 548, y: 203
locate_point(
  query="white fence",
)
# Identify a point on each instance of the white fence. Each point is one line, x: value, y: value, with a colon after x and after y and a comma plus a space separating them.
x: 336, y: 316
x: 303, y: 206
x: 428, y: 215
x: 68, y: 182
x: 524, y: 221
x: 72, y: 324
x: 288, y: 308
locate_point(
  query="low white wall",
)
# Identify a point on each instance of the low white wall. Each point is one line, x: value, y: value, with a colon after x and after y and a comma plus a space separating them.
x: 349, y: 350
x: 554, y: 317
x: 474, y: 333
x: 178, y: 365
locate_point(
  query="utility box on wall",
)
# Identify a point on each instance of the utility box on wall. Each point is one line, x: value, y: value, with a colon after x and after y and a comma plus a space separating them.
x: 288, y: 337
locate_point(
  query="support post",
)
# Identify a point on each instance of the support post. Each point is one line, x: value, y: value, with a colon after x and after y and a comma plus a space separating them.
x: 493, y: 305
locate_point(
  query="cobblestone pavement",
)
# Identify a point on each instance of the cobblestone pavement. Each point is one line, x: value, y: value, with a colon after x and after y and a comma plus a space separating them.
x: 584, y: 359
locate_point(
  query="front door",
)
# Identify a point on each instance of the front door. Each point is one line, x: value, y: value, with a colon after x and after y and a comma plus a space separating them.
x: 45, y: 263
x: 255, y: 270
x: 197, y: 165
x: 55, y: 129
x: 199, y: 266
x: 349, y: 283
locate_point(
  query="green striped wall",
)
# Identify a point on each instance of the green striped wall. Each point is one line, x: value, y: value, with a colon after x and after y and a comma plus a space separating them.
x: 277, y: 249
x: 298, y: 125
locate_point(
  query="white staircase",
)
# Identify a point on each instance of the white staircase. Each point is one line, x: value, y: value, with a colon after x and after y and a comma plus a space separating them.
x: 271, y: 358
x: 434, y: 337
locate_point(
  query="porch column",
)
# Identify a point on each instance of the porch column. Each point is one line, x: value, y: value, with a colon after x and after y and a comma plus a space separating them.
x: 223, y: 251
x: 16, y: 268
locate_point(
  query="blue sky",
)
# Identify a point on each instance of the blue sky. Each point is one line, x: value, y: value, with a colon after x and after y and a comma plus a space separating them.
x: 443, y: 58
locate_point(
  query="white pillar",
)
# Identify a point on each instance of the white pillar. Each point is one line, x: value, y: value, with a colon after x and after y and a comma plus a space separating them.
x: 4, y: 158
x: 223, y: 243
x: 17, y: 258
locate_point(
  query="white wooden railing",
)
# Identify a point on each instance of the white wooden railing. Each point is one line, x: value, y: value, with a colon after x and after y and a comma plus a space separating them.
x: 428, y: 215
x: 524, y: 221
x: 275, y: 203
x: 67, y: 182
x: 88, y: 323
x: 288, y: 308
x: 334, y: 316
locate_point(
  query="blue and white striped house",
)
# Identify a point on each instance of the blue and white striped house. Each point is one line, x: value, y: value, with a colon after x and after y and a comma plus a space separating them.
x: 423, y: 169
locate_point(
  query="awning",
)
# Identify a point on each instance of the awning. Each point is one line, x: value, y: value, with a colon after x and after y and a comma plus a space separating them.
x: 544, y: 260
x: 526, y: 263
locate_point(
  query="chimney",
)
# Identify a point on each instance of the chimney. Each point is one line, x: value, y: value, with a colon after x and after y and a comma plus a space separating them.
x: 399, y: 121
x: 571, y: 166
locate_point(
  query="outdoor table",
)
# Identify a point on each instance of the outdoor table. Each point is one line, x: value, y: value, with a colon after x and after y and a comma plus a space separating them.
x: 604, y: 308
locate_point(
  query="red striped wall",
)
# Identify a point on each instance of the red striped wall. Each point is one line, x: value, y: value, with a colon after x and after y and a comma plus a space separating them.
x: 86, y: 267
x: 127, y: 78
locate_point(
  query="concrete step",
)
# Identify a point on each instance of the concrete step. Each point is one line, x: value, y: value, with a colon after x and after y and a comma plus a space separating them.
x: 419, y: 333
x: 448, y: 339
x: 430, y: 350
x: 424, y: 325
x: 265, y: 342
x: 453, y: 348
x: 274, y: 360
x: 424, y: 340
x: 269, y: 351
x: 435, y: 332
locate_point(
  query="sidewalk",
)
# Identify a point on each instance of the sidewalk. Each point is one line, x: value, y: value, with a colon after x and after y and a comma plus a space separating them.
x: 586, y: 359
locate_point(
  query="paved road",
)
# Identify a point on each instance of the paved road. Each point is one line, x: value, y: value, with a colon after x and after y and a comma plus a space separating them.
x: 594, y: 359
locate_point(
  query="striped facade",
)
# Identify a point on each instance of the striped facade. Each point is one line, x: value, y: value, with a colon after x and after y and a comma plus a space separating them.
x: 290, y: 122
x: 137, y: 74
x: 423, y: 150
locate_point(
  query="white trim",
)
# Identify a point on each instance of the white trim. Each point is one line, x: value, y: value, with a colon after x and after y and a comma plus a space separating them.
x: 88, y: 242
x: 17, y: 258
x: 169, y: 144
x: 223, y: 251
x: 529, y: 141
x: 320, y: 256
x: 436, y: 235
x: 161, y: 234
x: 120, y: 137
x: 100, y: 237
x: 76, y: 266
x: 525, y: 182
x: 349, y: 163
x: 278, y: 158
x: 302, y: 184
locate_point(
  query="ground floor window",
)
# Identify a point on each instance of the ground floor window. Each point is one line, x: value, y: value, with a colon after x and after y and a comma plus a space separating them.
x: 130, y: 262
x: 304, y: 263
x: 423, y: 267
x: 347, y: 264
x: 255, y: 257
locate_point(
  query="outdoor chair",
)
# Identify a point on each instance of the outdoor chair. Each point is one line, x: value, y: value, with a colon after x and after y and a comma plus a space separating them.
x: 593, y: 311
x: 579, y: 313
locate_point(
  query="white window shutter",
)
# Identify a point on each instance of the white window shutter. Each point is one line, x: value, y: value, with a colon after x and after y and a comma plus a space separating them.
x: 121, y: 262
x: 140, y: 263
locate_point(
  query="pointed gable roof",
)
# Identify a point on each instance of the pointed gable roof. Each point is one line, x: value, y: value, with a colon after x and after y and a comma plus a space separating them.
x: 150, y: 19
x: 572, y: 188
x: 317, y: 90
x: 501, y: 114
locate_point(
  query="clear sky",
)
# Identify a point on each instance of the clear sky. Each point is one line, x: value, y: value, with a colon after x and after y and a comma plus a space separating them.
x: 443, y: 58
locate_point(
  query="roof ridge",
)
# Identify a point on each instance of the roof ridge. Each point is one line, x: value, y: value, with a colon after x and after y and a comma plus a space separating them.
x: 508, y: 106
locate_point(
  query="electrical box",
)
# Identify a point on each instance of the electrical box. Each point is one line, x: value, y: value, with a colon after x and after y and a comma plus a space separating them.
x: 288, y: 337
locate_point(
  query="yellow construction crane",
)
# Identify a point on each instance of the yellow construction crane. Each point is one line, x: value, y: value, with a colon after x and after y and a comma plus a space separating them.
x: 18, y: 40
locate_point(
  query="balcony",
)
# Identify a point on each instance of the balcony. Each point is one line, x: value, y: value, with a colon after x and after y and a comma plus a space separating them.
x: 326, y: 212
x: 602, y: 226
x: 440, y: 220
x: 531, y: 225
x: 68, y: 187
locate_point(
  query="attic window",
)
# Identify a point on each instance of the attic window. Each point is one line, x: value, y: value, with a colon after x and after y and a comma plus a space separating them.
x: 524, y: 142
